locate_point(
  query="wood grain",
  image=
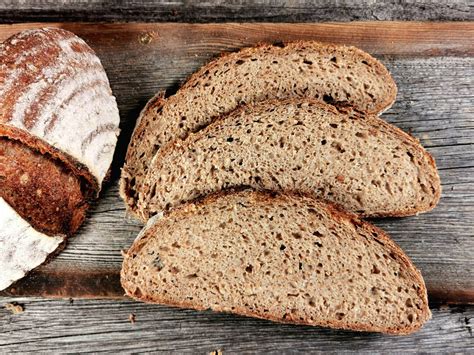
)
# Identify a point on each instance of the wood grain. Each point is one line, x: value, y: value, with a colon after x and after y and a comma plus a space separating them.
x: 225, y: 10
x: 76, y: 326
x: 433, y: 65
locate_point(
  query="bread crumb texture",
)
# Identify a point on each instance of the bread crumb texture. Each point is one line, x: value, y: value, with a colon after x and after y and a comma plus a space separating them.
x: 14, y: 308
x: 364, y: 164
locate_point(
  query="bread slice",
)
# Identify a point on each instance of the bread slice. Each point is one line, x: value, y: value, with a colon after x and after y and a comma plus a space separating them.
x: 286, y: 258
x: 41, y: 189
x: 336, y: 74
x: 22, y: 248
x: 55, y: 97
x: 362, y: 163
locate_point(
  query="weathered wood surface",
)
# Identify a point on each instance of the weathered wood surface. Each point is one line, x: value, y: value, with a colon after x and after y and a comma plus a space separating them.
x: 225, y: 10
x: 100, y: 325
x: 433, y: 65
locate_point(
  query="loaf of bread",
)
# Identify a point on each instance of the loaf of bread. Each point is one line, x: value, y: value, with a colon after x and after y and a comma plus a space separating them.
x: 336, y: 74
x: 286, y: 258
x: 58, y: 131
x: 56, y: 98
x: 362, y: 163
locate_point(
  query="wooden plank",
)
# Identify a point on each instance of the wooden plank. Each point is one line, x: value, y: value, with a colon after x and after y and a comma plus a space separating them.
x: 141, y: 43
x: 100, y: 325
x: 433, y: 65
x: 223, y: 10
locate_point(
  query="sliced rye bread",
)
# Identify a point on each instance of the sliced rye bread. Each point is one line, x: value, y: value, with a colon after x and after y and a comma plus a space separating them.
x: 364, y: 164
x: 338, y: 74
x: 41, y: 189
x: 286, y: 258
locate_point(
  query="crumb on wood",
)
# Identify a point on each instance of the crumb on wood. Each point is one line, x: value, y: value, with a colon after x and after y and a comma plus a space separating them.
x: 444, y: 307
x: 132, y: 318
x: 147, y: 37
x: 14, y: 308
x: 216, y: 352
x: 426, y: 139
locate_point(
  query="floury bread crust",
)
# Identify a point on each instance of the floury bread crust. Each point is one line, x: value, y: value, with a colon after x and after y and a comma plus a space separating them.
x: 22, y: 248
x: 336, y: 74
x: 55, y: 97
x: 287, y: 258
x: 360, y: 162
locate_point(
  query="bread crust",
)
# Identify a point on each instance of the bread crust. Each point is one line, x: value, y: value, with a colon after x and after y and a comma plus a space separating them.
x: 91, y: 188
x: 127, y: 179
x: 131, y: 173
x: 337, y: 212
x: 41, y: 189
x: 376, y: 122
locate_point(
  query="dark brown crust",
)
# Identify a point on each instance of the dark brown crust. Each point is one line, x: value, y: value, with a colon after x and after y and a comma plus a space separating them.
x: 129, y: 192
x: 91, y: 187
x: 377, y: 123
x: 337, y: 213
x: 41, y: 189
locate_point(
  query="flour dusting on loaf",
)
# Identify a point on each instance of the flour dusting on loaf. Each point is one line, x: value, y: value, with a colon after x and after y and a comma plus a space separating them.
x: 22, y: 248
x: 54, y: 88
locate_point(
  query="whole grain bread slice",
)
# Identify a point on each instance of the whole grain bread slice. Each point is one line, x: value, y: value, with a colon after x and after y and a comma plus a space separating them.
x: 337, y: 74
x: 363, y: 163
x: 286, y: 258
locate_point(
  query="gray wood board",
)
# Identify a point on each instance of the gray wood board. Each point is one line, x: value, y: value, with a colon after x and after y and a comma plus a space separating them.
x: 433, y: 65
x: 104, y: 326
x: 231, y: 10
